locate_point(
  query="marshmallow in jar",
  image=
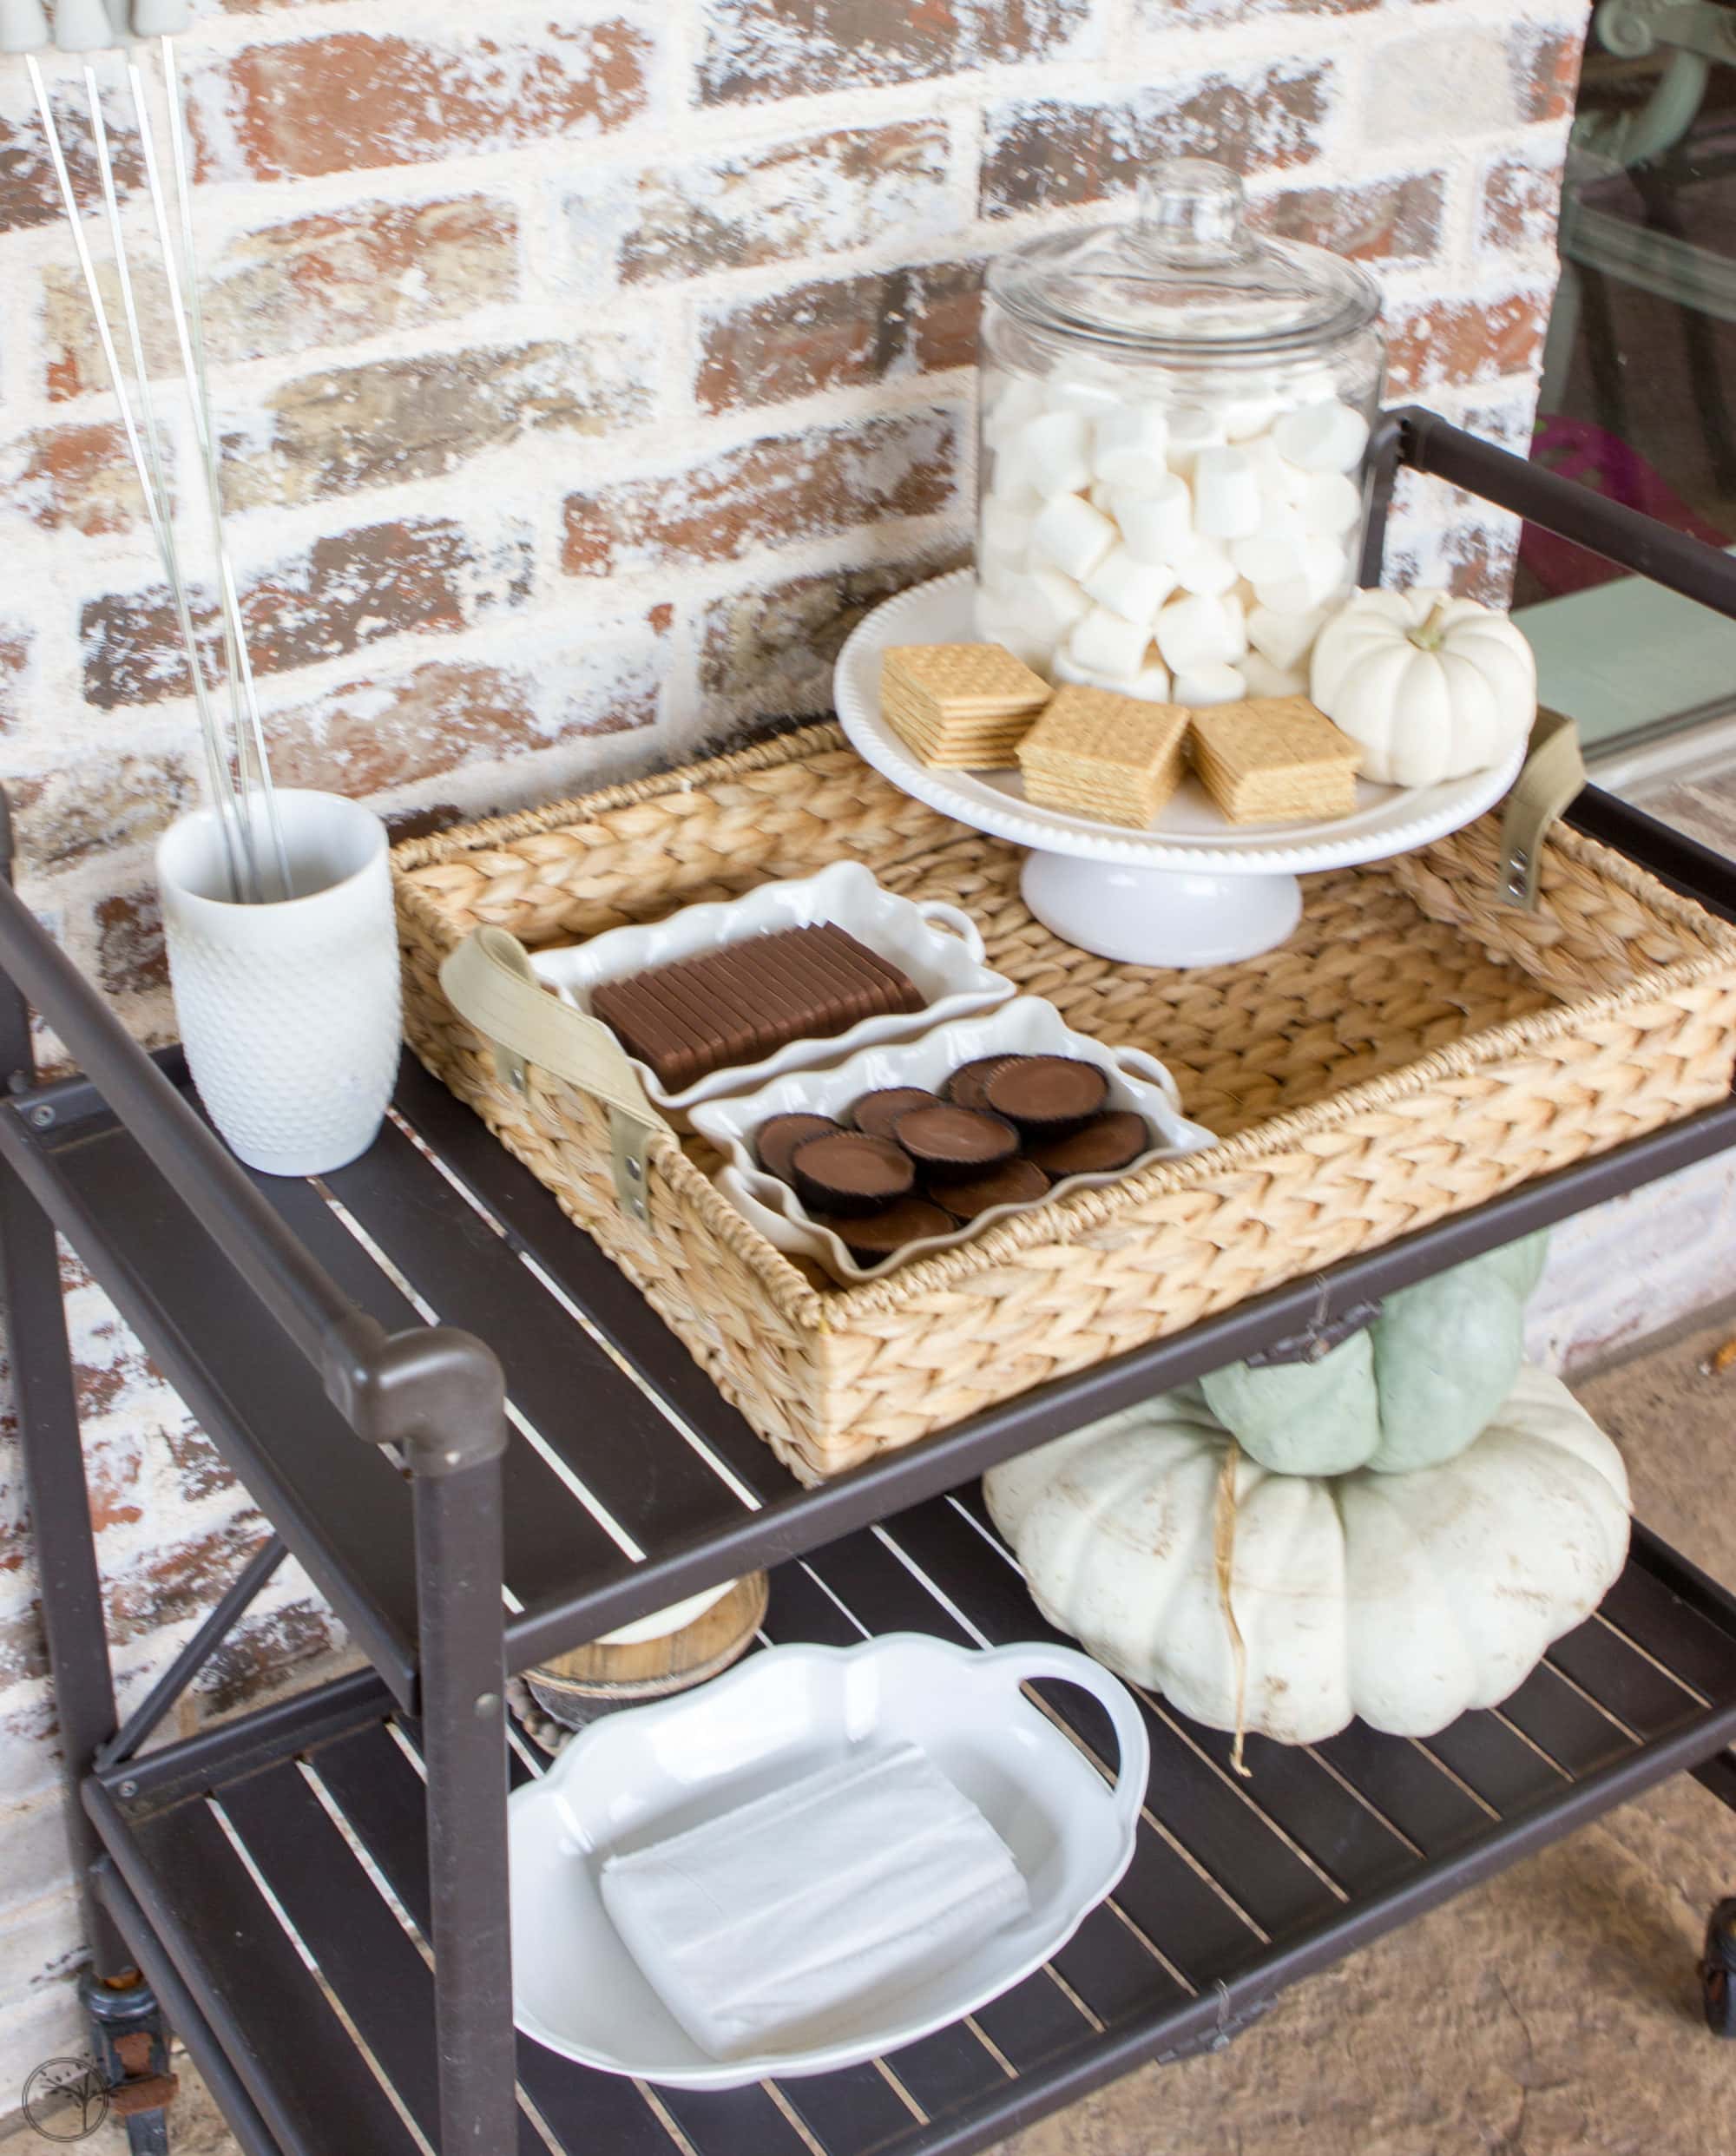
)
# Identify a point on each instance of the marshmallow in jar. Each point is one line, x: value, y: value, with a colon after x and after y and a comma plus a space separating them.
x: 1174, y: 422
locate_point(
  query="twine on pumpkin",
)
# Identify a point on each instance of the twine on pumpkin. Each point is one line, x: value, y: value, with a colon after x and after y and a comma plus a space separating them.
x: 1224, y: 1557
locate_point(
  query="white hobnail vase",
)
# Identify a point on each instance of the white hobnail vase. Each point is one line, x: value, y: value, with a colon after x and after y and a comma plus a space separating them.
x: 290, y: 1011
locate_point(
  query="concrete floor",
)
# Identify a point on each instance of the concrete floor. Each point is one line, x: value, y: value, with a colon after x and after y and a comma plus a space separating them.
x: 1553, y: 2011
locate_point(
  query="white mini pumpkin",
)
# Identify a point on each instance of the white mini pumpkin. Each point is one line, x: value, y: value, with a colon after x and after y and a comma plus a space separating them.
x: 1404, y: 1599
x: 1432, y: 687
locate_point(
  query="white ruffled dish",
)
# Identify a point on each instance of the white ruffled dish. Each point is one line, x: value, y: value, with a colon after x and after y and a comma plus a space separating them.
x: 1027, y: 1026
x: 937, y: 946
x: 650, y: 1772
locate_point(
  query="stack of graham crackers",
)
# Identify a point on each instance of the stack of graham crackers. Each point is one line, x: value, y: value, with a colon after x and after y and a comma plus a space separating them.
x: 960, y: 707
x: 1103, y: 755
x: 1275, y: 759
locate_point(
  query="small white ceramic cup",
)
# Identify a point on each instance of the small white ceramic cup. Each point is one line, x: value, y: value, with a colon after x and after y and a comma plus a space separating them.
x: 290, y: 1012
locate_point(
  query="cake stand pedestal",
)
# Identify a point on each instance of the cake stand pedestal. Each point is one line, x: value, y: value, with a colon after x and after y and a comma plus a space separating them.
x: 1193, y: 890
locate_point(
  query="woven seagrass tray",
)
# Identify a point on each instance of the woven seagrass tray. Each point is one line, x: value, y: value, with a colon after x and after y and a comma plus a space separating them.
x: 1414, y: 1049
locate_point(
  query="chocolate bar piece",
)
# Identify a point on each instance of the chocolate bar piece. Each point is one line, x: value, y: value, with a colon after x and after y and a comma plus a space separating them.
x: 744, y: 1003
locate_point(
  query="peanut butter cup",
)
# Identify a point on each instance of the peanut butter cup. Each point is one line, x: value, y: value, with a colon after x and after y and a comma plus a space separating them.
x: 1013, y: 1183
x: 1046, y: 1096
x: 847, y: 1171
x: 1104, y: 1147
x: 882, y: 1235
x: 949, y: 1141
x: 778, y: 1137
x: 965, y: 1086
x: 876, y: 1112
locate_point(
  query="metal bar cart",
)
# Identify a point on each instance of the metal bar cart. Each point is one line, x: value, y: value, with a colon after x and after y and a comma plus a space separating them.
x: 314, y: 1895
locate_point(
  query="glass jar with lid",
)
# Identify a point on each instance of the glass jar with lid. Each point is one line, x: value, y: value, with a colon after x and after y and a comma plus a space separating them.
x: 1176, y: 416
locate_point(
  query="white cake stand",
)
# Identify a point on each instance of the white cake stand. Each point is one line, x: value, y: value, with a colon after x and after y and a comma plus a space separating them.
x: 1193, y: 890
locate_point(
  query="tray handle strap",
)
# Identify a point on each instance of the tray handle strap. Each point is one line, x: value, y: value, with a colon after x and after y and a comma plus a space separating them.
x: 1550, y: 780
x: 488, y: 981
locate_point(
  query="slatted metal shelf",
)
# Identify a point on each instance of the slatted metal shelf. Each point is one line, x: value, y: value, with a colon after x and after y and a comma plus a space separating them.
x: 629, y: 1480
x: 291, y: 1887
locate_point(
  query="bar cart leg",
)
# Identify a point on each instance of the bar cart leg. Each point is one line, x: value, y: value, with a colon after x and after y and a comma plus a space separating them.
x: 439, y: 1394
x: 131, y: 2048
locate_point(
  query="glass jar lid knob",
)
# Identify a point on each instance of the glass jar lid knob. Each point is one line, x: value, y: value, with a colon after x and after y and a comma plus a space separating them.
x: 1192, y: 210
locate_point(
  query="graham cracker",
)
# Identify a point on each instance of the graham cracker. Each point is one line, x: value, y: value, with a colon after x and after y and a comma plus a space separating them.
x: 959, y: 705
x: 1274, y: 759
x: 1096, y: 754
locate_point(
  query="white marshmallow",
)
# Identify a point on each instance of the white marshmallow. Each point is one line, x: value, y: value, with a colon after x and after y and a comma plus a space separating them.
x: 999, y: 623
x: 1158, y: 525
x: 1199, y: 632
x: 1246, y: 416
x: 1108, y: 645
x: 1191, y: 428
x: 1151, y: 684
x: 1101, y: 496
x: 1271, y: 554
x: 1128, y: 587
x: 1055, y: 600
x: 1007, y: 527
x: 1129, y: 447
x: 1209, y: 684
x: 1331, y: 501
x: 1284, y: 641
x: 1057, y: 446
x: 1021, y: 401
x: 1080, y: 393
x: 1226, y: 494
x: 1325, y: 571
x: 1204, y: 565
x: 1326, y: 437
x: 1071, y: 536
x: 1013, y: 480
x: 1263, y: 678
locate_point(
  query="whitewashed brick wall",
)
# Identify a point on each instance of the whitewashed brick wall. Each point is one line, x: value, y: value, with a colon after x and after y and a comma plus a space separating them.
x: 585, y: 368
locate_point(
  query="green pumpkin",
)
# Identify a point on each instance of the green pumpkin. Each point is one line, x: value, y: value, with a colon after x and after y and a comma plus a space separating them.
x: 1411, y: 1390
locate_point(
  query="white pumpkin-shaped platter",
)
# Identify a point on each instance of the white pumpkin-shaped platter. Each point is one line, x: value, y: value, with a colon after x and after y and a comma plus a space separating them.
x: 1431, y: 688
x: 1407, y: 1599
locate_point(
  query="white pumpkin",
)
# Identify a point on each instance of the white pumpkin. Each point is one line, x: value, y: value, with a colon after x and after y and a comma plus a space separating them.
x: 1404, y: 1599
x: 1432, y: 687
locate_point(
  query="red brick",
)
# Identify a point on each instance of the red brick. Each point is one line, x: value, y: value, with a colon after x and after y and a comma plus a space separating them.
x: 262, y: 1650
x: 15, y: 667
x: 28, y: 193
x: 321, y: 280
x: 130, y: 957
x: 1380, y: 220
x: 70, y: 814
x: 351, y: 102
x: 841, y: 332
x: 1449, y: 341
x: 167, y: 1583
x: 761, y: 48
x: 1213, y: 14
x: 1053, y: 151
x: 74, y: 479
x: 775, y: 204
x: 424, y: 575
x: 398, y: 420
x: 1519, y: 205
x: 373, y: 735
x: 767, y: 652
x: 768, y: 493
x: 199, y: 1470
x: 1545, y: 64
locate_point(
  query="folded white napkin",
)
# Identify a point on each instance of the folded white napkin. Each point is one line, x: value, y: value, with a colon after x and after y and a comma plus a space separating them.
x: 798, y: 1911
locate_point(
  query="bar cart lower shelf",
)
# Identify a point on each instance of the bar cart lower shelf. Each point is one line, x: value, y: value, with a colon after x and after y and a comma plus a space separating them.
x: 291, y: 1892
x: 485, y: 1449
